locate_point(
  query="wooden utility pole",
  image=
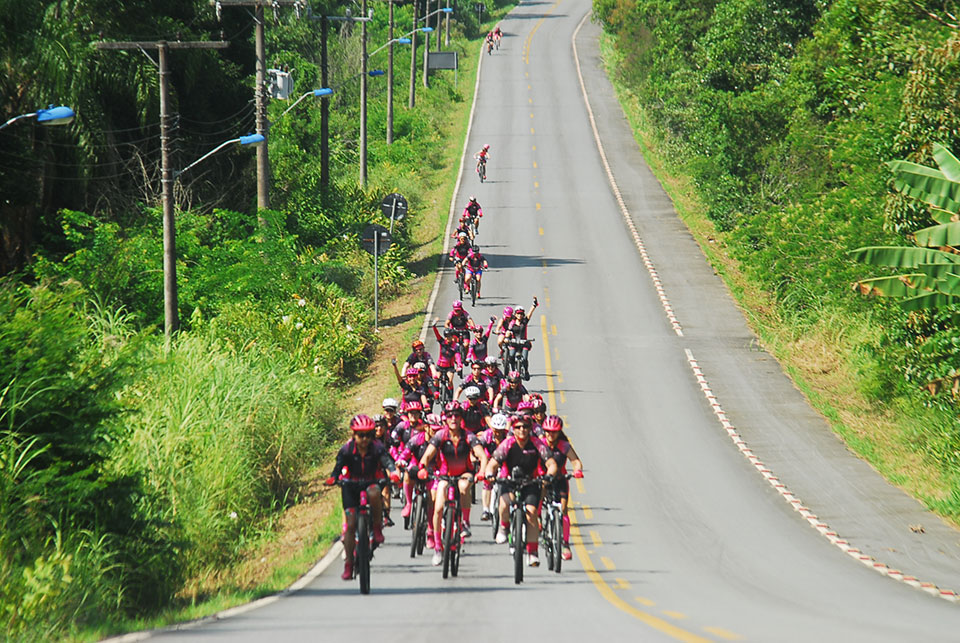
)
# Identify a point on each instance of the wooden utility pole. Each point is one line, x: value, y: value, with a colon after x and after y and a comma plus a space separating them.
x: 363, y: 96
x: 171, y: 317
x: 446, y: 27
x: 262, y: 97
x: 413, y: 60
x: 324, y: 109
x: 389, y: 74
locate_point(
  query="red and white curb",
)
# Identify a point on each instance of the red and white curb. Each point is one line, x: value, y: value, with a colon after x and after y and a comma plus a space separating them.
x: 798, y: 505
x: 667, y: 308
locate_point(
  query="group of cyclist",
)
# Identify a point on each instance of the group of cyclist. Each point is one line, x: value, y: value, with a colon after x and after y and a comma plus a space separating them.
x: 500, y: 430
x: 493, y: 39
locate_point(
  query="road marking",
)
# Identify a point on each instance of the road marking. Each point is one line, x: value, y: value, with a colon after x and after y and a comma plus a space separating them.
x: 797, y: 504
x: 622, y: 583
x: 607, y: 563
x: 722, y: 633
x: 559, y: 374
x: 532, y: 132
x: 530, y: 100
x: 534, y: 163
x: 553, y: 331
x: 587, y: 511
x: 677, y: 615
x: 536, y: 184
x: 611, y: 596
x: 661, y: 294
x: 531, y: 114
x: 541, y: 232
x: 563, y: 398
x: 578, y: 480
x: 538, y: 206
x: 548, y: 367
x: 528, y: 76
x: 534, y: 148
x: 528, y: 41
x: 556, y: 354
x: 595, y: 537
x: 644, y: 601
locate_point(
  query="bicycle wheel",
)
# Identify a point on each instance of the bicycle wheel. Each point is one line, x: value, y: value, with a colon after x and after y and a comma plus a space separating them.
x: 448, y: 535
x: 424, y: 524
x: 415, y: 529
x: 495, y: 518
x: 546, y: 532
x: 362, y: 555
x: 517, y: 521
x: 460, y: 284
x: 457, y: 543
x: 557, y: 538
x: 473, y: 291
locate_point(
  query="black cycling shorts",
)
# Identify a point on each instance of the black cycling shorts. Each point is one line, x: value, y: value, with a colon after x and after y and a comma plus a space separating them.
x: 531, y: 494
x: 350, y: 494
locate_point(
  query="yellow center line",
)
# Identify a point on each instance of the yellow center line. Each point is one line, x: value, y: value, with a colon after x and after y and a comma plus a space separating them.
x: 559, y: 374
x: 563, y: 398
x: 595, y: 537
x: 534, y: 163
x: 541, y: 232
x: 553, y: 331
x: 530, y: 100
x: 580, y: 488
x: 622, y: 583
x: 722, y: 633
x: 677, y: 615
x: 532, y: 132
x: 526, y: 44
x: 611, y: 596
x: 534, y: 148
x: 587, y: 511
x: 536, y: 184
x: 551, y: 396
x: 644, y: 601
x: 607, y: 563
x: 538, y: 206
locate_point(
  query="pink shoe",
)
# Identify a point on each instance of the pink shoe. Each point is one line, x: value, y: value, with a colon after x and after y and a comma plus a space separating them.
x: 407, y: 508
x: 347, y: 570
x: 378, y: 535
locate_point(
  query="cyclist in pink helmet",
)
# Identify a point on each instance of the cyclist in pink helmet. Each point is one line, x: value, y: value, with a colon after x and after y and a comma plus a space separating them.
x: 562, y: 452
x: 362, y: 459
x: 472, y: 214
x: 501, y: 326
x: 459, y: 253
x: 474, y: 265
x: 512, y: 393
x: 412, y: 387
x: 483, y: 155
x: 460, y: 321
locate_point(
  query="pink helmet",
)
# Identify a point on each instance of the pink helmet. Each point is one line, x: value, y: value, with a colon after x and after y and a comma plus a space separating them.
x: 362, y: 423
x: 472, y: 253
x: 525, y: 406
x: 553, y: 423
x: 414, y: 406
x: 458, y: 305
x: 486, y: 146
x: 433, y: 419
x: 508, y: 311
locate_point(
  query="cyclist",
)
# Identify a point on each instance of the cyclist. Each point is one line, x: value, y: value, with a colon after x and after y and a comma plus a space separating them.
x: 477, y: 351
x: 497, y: 35
x: 449, y: 359
x: 413, y: 423
x: 419, y: 354
x: 490, y: 439
x: 459, y: 253
x: 474, y: 380
x: 563, y: 452
x: 523, y: 451
x: 472, y: 213
x: 463, y: 227
x: 454, y: 446
x: 501, y: 327
x: 409, y: 459
x: 482, y: 156
x: 459, y: 320
x: 412, y: 388
x: 359, y: 460
x: 511, y: 394
x: 517, y: 329
x: 490, y: 39
x: 492, y: 375
x: 389, y: 406
x: 475, y: 410
x: 474, y: 264
x: 539, y: 411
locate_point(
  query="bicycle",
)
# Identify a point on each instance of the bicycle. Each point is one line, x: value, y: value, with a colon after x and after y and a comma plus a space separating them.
x: 445, y: 384
x: 419, y: 517
x: 482, y: 170
x: 518, y: 519
x: 363, y: 552
x: 460, y: 278
x: 450, y: 525
x: 514, y: 358
x: 551, y: 521
x: 474, y: 289
x: 494, y: 508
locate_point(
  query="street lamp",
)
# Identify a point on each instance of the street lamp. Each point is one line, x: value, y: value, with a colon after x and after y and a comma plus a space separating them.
x: 323, y: 91
x: 171, y: 317
x: 413, y: 60
x: 426, y: 49
x: 60, y: 115
x: 402, y: 40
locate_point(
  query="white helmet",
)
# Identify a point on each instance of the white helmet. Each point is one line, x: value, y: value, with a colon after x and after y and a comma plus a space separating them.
x: 421, y: 366
x: 490, y: 360
x: 472, y: 392
x: 499, y: 422
x: 390, y: 403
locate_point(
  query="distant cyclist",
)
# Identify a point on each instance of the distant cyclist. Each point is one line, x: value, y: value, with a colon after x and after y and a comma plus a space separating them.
x: 472, y: 213
x: 459, y: 253
x: 482, y: 156
x: 474, y: 265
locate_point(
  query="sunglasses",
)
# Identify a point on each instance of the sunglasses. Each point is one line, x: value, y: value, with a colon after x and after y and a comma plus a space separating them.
x: 365, y: 436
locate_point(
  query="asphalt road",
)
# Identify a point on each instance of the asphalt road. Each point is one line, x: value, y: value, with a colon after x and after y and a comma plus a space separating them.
x: 678, y: 535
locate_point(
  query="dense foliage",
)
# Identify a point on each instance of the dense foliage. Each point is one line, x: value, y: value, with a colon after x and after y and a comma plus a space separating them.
x: 128, y: 466
x: 785, y: 114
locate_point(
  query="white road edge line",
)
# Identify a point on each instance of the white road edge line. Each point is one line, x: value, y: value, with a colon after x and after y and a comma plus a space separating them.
x: 798, y: 505
x: 453, y: 205
x: 337, y: 547
x: 661, y: 293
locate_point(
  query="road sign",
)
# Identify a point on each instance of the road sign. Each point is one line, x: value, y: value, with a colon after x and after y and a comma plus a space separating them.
x: 376, y: 239
x: 394, y: 206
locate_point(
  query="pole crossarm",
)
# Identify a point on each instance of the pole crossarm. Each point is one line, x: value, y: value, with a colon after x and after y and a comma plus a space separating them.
x: 156, y: 44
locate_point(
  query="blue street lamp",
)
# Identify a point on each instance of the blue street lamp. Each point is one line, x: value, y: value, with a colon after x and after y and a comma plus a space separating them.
x: 60, y: 115
x: 323, y: 91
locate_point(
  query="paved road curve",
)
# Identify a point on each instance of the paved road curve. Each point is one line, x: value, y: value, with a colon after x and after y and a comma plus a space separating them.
x: 679, y: 537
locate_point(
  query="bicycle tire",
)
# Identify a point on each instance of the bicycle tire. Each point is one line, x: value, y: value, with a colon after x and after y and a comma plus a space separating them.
x: 362, y: 554
x: 473, y: 291
x: 415, y: 527
x: 495, y: 504
x: 460, y: 284
x: 424, y: 525
x: 447, y: 539
x: 457, y: 544
x: 517, y: 521
x: 546, y: 532
x: 557, y: 538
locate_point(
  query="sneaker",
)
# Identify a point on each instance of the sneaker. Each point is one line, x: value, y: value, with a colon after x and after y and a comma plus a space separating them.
x: 437, y: 558
x: 485, y: 516
x: 501, y: 536
x: 532, y: 560
x: 465, y: 531
x: 567, y: 554
x: 347, y: 570
x: 387, y: 522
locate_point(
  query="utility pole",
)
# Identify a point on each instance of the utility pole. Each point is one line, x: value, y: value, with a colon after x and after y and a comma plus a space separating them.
x: 363, y: 97
x: 446, y: 27
x: 171, y: 316
x: 413, y: 60
x: 324, y: 110
x: 426, y: 44
x: 263, y: 125
x: 389, y: 74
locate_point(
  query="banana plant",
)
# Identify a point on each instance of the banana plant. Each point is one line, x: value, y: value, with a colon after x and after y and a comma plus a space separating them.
x: 934, y: 280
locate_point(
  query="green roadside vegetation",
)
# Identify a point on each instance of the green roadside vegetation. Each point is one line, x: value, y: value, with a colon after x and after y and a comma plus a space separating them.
x: 135, y: 479
x: 769, y: 124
